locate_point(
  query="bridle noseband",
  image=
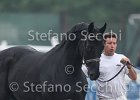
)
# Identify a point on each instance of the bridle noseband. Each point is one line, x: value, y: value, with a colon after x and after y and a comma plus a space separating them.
x: 90, y: 60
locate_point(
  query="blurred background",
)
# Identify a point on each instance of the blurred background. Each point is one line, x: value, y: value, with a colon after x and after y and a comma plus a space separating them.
x: 20, y: 17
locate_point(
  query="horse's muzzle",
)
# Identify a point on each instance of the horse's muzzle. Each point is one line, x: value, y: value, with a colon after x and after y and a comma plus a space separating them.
x: 94, y: 76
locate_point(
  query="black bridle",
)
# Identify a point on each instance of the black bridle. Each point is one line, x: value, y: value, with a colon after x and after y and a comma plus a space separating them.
x: 90, y: 60
x: 84, y: 61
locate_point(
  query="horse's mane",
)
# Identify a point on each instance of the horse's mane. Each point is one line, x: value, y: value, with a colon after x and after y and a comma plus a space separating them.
x: 76, y: 29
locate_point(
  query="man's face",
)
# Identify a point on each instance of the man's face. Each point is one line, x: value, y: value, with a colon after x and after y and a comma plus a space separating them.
x: 110, y: 46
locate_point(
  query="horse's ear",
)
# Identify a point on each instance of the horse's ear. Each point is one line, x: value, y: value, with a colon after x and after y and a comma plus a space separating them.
x: 91, y: 27
x: 102, y: 30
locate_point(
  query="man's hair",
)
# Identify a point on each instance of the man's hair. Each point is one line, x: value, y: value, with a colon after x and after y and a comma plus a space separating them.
x: 109, y: 35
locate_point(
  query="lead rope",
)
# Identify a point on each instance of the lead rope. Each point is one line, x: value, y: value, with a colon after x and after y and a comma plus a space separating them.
x: 115, y: 75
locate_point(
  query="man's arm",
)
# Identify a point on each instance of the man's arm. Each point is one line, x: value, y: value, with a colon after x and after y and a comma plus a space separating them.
x: 132, y: 73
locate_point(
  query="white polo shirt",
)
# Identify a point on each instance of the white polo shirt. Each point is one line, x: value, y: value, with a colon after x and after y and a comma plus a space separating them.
x: 109, y: 67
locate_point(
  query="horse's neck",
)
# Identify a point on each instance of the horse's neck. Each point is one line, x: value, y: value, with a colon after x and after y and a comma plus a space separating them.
x: 68, y: 53
x: 72, y: 53
x: 65, y: 53
x: 62, y: 57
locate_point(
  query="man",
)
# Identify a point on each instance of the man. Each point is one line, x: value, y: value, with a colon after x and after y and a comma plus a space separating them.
x: 110, y: 65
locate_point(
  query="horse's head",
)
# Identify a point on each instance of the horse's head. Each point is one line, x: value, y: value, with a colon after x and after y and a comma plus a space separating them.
x: 92, y: 49
x: 90, y: 45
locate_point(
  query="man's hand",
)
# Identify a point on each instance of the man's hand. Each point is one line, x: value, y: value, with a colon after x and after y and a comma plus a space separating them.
x: 127, y: 62
x: 132, y: 73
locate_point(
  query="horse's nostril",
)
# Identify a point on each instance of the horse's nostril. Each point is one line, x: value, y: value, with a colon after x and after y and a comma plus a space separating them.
x: 93, y: 76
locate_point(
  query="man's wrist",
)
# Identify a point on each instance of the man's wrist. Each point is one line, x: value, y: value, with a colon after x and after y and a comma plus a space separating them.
x: 129, y: 67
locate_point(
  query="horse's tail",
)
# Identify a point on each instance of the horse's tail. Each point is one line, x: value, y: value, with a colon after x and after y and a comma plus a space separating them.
x: 5, y: 58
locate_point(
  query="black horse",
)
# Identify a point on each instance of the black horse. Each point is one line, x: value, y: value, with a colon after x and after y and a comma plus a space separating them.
x: 26, y: 74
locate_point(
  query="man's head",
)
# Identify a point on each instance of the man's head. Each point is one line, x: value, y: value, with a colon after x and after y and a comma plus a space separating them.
x: 110, y: 43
